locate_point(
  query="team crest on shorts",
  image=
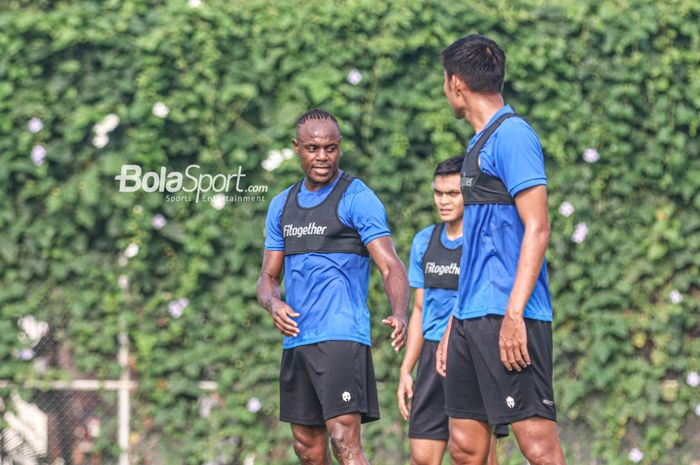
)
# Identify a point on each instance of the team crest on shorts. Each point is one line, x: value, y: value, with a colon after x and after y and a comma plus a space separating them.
x: 510, y: 402
x: 346, y: 396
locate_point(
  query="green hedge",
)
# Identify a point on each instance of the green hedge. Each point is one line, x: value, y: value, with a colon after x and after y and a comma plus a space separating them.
x: 619, y: 77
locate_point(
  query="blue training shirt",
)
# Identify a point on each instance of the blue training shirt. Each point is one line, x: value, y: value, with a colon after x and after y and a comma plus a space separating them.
x: 493, y: 233
x: 437, y: 303
x: 329, y: 290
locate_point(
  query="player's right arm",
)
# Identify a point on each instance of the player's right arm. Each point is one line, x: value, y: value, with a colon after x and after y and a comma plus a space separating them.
x: 414, y: 345
x: 270, y: 297
x: 268, y: 288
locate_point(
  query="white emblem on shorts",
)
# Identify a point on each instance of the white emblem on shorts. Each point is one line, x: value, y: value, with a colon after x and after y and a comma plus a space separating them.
x: 548, y: 402
x: 346, y: 396
x: 510, y: 402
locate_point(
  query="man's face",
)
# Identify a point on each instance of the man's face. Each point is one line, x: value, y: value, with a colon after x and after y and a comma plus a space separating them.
x: 451, y: 93
x: 448, y: 197
x: 318, y: 147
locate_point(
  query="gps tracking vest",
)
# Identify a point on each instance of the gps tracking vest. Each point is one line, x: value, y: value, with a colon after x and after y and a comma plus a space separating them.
x: 318, y: 229
x: 440, y: 264
x: 479, y: 188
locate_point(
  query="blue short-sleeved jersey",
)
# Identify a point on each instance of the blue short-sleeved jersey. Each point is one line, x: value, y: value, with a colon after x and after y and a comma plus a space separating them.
x: 329, y: 290
x: 437, y: 303
x: 493, y: 233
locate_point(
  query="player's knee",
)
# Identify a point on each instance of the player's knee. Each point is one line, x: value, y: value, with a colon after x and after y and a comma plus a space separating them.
x: 309, y: 454
x: 540, y: 453
x: 346, y: 446
x: 463, y: 454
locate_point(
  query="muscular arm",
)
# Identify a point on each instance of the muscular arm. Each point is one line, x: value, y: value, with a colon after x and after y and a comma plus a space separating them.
x: 414, y: 345
x: 395, y: 285
x: 532, y: 208
x: 270, y: 297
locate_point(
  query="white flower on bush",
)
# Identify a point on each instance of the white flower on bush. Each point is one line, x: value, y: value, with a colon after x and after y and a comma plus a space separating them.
x: 100, y: 140
x: 636, y: 455
x: 566, y: 209
x: 131, y: 251
x: 194, y: 3
x: 25, y: 354
x: 32, y: 330
x: 159, y: 221
x: 354, y: 76
x: 675, y: 296
x: 249, y: 459
x: 176, y: 307
x: 273, y: 161
x: 108, y: 124
x: 287, y: 153
x: 160, y: 109
x: 205, y: 405
x: 254, y: 405
x: 218, y: 201
x: 591, y: 155
x: 35, y: 125
x: 580, y: 233
x: 693, y: 379
x: 38, y: 155
x: 123, y: 281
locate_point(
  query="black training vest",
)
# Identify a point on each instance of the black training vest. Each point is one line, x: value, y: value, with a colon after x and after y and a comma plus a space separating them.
x: 440, y: 264
x: 477, y: 187
x: 319, y: 229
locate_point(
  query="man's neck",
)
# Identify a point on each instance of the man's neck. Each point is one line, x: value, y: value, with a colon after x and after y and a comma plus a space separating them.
x: 311, y: 186
x: 453, y: 229
x: 481, y: 109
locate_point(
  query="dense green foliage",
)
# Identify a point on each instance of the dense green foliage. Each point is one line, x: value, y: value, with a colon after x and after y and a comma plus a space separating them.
x: 622, y: 78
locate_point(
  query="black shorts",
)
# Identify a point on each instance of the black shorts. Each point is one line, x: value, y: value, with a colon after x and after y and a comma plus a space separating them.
x: 428, y: 418
x: 478, y: 386
x: 327, y: 379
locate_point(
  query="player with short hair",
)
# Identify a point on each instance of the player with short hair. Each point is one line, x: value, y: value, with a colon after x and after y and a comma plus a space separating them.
x: 497, y: 352
x: 323, y: 230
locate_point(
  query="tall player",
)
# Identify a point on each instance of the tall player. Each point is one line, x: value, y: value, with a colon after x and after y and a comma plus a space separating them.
x: 499, y: 347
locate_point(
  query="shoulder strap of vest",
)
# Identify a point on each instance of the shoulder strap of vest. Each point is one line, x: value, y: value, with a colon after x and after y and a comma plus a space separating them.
x: 489, y: 130
x: 437, y: 230
x: 343, y: 184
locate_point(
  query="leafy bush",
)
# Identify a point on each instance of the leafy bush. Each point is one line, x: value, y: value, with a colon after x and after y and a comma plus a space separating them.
x: 228, y: 80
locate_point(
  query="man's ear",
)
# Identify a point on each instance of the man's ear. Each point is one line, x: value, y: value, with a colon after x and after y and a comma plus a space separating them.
x: 458, y: 84
x: 295, y: 144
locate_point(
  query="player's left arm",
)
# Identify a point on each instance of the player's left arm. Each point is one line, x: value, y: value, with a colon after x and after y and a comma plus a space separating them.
x: 362, y: 210
x: 395, y: 280
x: 531, y: 204
x: 519, y: 162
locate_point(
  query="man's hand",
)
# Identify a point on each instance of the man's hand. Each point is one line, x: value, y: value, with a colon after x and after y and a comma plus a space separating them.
x: 512, y: 342
x: 405, y: 393
x: 398, y: 336
x: 441, y: 355
x: 281, y: 313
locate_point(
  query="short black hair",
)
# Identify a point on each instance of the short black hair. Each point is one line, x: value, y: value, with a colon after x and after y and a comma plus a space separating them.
x: 316, y: 113
x: 450, y: 166
x: 478, y: 61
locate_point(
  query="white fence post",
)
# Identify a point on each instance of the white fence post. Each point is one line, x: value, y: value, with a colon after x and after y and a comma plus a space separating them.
x: 124, y: 407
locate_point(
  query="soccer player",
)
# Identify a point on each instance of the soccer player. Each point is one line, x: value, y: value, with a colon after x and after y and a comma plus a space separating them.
x: 498, y: 351
x: 434, y: 273
x: 323, y: 230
